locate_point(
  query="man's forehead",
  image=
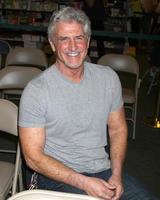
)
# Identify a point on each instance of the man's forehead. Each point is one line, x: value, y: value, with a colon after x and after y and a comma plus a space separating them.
x: 69, y: 24
x: 64, y: 28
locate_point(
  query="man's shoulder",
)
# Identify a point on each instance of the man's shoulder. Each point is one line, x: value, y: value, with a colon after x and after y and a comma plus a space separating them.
x: 42, y: 78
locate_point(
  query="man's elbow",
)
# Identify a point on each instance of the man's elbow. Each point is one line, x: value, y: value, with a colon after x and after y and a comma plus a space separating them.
x: 32, y: 160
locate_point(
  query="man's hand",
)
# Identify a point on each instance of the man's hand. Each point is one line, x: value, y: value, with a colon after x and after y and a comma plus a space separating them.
x: 99, y: 188
x: 117, y: 182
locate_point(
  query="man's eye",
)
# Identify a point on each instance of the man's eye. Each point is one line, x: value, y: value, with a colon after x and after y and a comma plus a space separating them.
x: 63, y: 39
x: 80, y: 38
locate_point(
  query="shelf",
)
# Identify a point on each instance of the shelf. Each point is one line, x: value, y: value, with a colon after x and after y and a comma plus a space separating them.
x: 43, y: 30
x: 29, y: 5
x: 25, y: 10
x: 138, y: 36
x: 23, y: 27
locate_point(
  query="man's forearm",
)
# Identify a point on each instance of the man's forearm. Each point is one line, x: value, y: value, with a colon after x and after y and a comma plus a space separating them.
x: 118, y: 132
x: 55, y: 170
x: 117, y: 152
x: 36, y: 159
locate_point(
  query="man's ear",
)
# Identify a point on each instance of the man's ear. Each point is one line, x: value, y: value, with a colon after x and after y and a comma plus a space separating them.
x: 52, y: 45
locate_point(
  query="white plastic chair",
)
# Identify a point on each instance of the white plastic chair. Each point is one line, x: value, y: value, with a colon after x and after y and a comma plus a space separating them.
x: 27, y: 57
x: 128, y: 65
x: 10, y: 173
x: 48, y: 195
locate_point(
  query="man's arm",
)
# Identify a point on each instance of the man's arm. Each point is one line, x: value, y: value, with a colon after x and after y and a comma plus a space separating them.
x: 32, y: 143
x: 117, y: 129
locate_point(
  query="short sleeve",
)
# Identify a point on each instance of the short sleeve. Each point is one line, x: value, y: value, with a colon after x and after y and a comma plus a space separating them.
x: 116, y: 92
x: 32, y: 106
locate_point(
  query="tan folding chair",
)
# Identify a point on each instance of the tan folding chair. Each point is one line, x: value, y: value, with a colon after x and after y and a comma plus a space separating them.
x: 48, y: 195
x: 128, y: 65
x: 10, y: 173
x: 27, y: 57
x: 14, y: 79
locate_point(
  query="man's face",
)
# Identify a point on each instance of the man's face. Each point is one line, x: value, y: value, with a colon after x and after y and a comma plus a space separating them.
x: 70, y: 43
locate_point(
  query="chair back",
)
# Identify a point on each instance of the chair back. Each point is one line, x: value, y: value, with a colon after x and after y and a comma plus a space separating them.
x: 120, y: 62
x: 17, y: 77
x: 14, y: 79
x: 24, y: 56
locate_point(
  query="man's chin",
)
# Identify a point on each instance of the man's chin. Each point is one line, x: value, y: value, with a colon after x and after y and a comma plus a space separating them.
x: 74, y: 66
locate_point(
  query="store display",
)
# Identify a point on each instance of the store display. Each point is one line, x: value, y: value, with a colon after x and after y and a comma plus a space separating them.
x: 33, y: 12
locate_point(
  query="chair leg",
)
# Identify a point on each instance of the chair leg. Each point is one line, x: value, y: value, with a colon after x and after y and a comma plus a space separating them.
x: 134, y: 122
x: 134, y: 131
x: 21, y: 187
x: 17, y: 170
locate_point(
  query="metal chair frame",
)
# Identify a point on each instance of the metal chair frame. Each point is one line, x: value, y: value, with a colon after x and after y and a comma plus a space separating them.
x: 10, y: 174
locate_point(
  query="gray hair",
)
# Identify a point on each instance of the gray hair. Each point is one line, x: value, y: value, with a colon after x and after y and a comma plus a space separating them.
x: 68, y: 14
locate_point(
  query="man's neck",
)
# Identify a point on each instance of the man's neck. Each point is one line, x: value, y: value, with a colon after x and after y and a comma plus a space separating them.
x: 75, y: 75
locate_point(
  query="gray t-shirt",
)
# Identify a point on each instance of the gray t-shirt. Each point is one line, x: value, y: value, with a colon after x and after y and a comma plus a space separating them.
x: 74, y: 115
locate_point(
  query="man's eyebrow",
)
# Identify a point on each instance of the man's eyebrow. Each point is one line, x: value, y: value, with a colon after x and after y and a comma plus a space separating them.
x: 65, y: 36
x: 61, y: 37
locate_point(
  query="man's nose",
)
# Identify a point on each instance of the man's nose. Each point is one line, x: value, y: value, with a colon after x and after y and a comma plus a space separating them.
x: 72, y: 44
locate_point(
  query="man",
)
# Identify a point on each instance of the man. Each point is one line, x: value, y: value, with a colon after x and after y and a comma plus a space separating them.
x: 63, y: 117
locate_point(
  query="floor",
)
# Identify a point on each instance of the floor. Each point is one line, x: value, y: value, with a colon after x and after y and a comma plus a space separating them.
x: 143, y: 155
